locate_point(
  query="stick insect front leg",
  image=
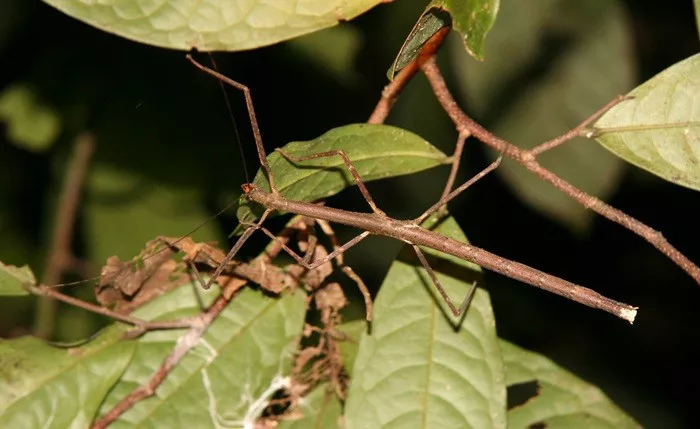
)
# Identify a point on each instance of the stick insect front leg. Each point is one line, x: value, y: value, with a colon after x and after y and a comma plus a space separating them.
x: 346, y: 160
x: 336, y: 254
x: 236, y: 247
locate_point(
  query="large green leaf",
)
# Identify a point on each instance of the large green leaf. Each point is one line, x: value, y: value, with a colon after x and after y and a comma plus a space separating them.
x: 212, y: 24
x: 659, y: 129
x: 562, y: 400
x: 421, y: 368
x: 593, y: 67
x: 247, y: 349
x: 377, y: 152
x: 12, y: 278
x: 43, y: 386
x: 250, y: 344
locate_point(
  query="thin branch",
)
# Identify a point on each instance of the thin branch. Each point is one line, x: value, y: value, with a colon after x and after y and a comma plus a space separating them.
x: 184, y: 344
x: 60, y: 256
x: 391, y: 93
x: 456, y: 159
x: 527, y: 159
x: 393, y: 89
x: 53, y: 294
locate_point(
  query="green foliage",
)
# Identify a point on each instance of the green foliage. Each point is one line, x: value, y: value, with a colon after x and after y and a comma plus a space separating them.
x: 377, y: 152
x: 562, y: 399
x: 659, y: 128
x: 60, y: 387
x: 71, y: 386
x: 213, y: 25
x: 12, y: 278
x: 420, y: 368
x: 473, y: 19
x: 417, y: 366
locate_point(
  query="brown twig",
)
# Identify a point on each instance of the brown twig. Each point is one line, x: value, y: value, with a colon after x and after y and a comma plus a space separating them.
x: 184, y: 344
x: 527, y: 158
x: 60, y: 256
x: 54, y: 295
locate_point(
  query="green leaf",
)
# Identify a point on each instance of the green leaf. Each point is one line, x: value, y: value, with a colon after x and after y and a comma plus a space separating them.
x: 562, y: 401
x: 47, y: 386
x: 350, y: 345
x: 30, y: 124
x: 212, y: 25
x: 659, y: 129
x: 420, y: 367
x: 12, y: 278
x: 430, y: 22
x: 320, y: 409
x: 377, y: 152
x: 592, y: 68
x: 472, y: 19
x: 247, y: 349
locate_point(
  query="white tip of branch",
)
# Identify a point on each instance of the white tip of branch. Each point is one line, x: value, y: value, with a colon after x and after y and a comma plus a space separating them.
x: 629, y: 314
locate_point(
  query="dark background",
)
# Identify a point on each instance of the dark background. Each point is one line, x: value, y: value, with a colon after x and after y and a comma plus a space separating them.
x: 167, y: 158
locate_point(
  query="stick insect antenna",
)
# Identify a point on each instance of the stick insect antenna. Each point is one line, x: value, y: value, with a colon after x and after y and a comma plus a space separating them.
x: 233, y: 119
x: 251, y: 116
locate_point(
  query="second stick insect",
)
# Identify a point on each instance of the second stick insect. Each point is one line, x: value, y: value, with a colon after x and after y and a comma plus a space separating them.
x: 408, y: 231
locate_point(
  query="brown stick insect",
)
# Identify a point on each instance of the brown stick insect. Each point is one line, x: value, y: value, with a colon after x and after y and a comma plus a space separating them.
x: 408, y: 231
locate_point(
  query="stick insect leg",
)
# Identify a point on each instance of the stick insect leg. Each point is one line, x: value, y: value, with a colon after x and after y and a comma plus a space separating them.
x: 356, y: 176
x: 236, y: 247
x: 578, y: 129
x: 336, y: 253
x: 310, y: 266
x: 311, y: 241
x: 456, y: 159
x: 251, y: 116
x: 467, y: 299
x: 348, y: 271
x: 141, y: 325
x: 444, y: 200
